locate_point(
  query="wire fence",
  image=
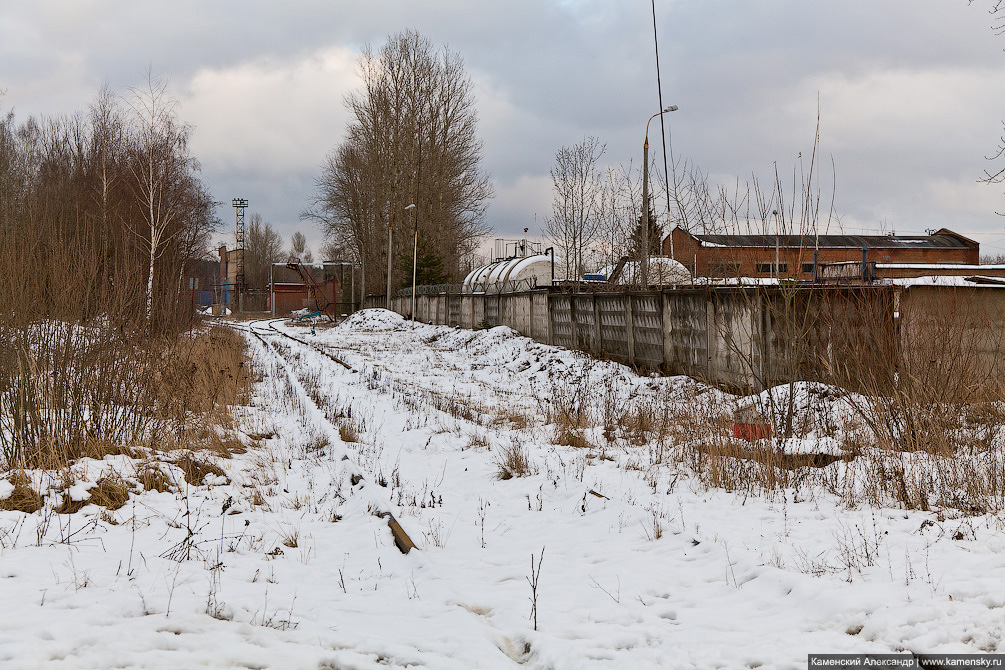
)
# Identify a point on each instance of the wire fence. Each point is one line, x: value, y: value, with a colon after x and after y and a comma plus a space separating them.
x: 483, y: 287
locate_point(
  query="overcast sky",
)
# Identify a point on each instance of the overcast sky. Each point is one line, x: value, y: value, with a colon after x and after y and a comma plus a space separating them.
x: 912, y: 92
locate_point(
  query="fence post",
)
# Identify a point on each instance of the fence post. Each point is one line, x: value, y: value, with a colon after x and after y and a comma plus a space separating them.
x: 598, y: 337
x: 572, y: 320
x: 549, y: 312
x: 530, y: 313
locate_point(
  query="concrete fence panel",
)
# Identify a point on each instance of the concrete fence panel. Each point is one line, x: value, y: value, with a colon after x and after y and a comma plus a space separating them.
x: 613, y: 322
x: 517, y: 311
x: 454, y: 309
x: 492, y: 316
x: 685, y: 332
x: 562, y: 333
x: 647, y: 329
x: 541, y: 326
x: 736, y: 355
x: 585, y: 322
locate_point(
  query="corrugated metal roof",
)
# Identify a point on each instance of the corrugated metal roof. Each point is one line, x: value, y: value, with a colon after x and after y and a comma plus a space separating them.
x: 937, y: 241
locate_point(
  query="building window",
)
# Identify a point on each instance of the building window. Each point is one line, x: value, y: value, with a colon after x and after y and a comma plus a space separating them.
x: 724, y: 269
x: 808, y: 268
x: 769, y: 268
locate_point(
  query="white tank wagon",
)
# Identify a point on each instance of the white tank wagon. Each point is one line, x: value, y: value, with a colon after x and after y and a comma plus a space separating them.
x: 514, y: 273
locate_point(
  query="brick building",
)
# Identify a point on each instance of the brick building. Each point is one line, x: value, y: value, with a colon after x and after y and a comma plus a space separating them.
x: 287, y: 292
x: 227, y: 281
x: 802, y: 256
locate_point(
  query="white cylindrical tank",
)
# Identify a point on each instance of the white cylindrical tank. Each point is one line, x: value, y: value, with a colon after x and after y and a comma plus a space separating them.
x: 532, y: 270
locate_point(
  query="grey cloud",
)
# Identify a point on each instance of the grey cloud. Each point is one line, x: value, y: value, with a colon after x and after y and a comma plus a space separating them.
x: 745, y: 75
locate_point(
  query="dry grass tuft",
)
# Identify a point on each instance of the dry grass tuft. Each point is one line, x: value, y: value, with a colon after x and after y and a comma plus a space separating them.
x: 195, y: 470
x: 512, y: 461
x: 291, y: 539
x: 71, y: 506
x: 511, y: 417
x: 112, y: 492
x: 98, y: 449
x: 572, y: 438
x: 478, y: 441
x: 257, y: 499
x: 202, y: 373
x: 23, y: 498
x: 348, y: 432
x: 152, y: 478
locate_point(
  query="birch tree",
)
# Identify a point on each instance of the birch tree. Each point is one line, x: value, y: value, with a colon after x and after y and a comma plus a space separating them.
x: 159, y: 164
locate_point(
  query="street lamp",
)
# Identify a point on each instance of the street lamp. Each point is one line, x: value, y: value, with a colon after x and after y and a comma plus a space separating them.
x: 415, y: 255
x: 645, y: 197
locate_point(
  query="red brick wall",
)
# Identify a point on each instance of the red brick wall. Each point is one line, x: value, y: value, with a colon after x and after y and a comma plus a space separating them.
x: 744, y: 261
x: 290, y: 298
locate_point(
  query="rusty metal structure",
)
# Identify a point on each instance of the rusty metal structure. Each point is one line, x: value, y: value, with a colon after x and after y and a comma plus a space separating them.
x: 324, y: 305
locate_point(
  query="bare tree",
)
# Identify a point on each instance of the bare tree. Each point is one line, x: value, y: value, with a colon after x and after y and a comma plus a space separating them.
x: 578, y: 202
x: 299, y: 251
x: 331, y: 251
x: 262, y: 247
x: 412, y: 140
x: 996, y: 175
x: 623, y: 186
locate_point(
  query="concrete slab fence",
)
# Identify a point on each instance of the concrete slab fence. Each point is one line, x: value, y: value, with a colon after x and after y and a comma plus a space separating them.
x: 745, y: 338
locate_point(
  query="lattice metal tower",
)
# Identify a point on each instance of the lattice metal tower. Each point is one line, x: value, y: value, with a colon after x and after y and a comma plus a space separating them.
x: 240, y: 204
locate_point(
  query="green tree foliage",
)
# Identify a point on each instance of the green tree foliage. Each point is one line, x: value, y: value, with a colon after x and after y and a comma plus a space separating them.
x: 430, y: 269
x: 638, y: 239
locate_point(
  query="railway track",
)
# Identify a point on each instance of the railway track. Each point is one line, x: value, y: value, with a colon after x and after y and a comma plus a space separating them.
x: 362, y: 480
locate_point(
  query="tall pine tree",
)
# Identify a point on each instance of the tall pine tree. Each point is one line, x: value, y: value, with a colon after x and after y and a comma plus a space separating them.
x: 655, y: 236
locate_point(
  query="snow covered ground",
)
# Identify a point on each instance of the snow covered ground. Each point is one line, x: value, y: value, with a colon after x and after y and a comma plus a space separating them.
x: 287, y: 561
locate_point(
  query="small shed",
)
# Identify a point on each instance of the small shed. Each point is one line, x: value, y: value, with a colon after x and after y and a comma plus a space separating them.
x: 288, y: 293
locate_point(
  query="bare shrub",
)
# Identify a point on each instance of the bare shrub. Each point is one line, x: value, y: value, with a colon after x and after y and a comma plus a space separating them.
x: 63, y: 391
x: 70, y: 392
x: 947, y: 359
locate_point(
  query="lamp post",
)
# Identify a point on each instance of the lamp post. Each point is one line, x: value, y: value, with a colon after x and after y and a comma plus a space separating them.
x: 644, y: 273
x: 415, y: 254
